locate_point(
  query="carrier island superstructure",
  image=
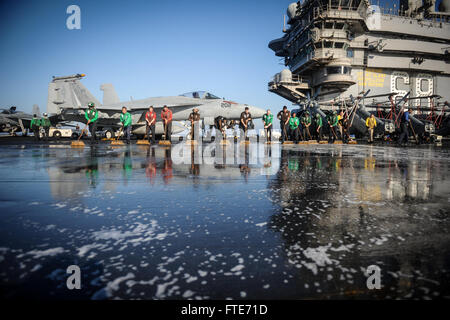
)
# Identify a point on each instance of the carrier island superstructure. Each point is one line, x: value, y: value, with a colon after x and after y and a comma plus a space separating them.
x: 337, y: 49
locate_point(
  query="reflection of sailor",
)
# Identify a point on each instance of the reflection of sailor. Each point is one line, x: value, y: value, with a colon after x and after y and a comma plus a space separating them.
x: 92, y: 168
x: 91, y: 116
x: 167, y: 171
x: 166, y: 116
x: 284, y: 169
x: 318, y: 163
x: 127, y: 164
x: 45, y: 123
x: 34, y: 126
x: 220, y: 157
x: 245, y: 168
x: 195, y: 167
x: 267, y: 159
x: 293, y: 164
x: 150, y: 167
x: 194, y: 118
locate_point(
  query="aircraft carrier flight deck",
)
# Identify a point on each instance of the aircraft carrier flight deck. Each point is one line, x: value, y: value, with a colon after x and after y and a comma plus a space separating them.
x: 224, y: 222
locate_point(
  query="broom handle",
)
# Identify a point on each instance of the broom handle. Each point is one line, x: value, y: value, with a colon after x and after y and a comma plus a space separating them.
x: 82, y: 131
x: 414, y: 133
x: 165, y: 130
x: 334, y: 133
x: 120, y: 133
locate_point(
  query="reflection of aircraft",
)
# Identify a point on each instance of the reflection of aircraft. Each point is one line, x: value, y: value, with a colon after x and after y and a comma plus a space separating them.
x: 13, y: 121
x: 68, y: 97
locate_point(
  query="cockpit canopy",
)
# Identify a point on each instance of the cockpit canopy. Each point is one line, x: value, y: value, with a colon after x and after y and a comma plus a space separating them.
x: 199, y: 95
x: 11, y: 110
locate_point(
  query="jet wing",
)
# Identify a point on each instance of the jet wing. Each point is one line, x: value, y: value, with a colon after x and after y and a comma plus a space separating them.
x: 175, y: 106
x: 6, y: 120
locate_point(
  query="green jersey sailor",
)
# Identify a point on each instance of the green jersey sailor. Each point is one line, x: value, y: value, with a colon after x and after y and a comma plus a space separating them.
x: 268, y: 124
x: 91, y: 116
x: 294, y: 123
x: 35, y: 126
x: 125, y: 119
x: 46, y: 124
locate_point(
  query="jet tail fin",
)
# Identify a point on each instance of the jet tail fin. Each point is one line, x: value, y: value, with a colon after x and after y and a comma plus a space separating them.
x: 68, y: 92
x: 36, y: 110
x: 109, y: 94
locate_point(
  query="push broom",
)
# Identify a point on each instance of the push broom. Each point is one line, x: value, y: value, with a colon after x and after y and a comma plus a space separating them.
x: 78, y: 143
x: 165, y: 142
x: 192, y: 141
x: 336, y: 141
x: 144, y: 141
x: 118, y: 142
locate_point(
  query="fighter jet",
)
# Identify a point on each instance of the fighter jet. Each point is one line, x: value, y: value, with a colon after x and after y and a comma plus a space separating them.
x: 69, y: 98
x: 13, y: 121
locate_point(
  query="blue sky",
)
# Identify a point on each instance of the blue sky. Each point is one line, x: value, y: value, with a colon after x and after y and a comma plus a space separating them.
x: 145, y: 48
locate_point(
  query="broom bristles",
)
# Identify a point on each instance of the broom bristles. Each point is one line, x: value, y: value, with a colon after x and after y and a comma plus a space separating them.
x: 77, y: 144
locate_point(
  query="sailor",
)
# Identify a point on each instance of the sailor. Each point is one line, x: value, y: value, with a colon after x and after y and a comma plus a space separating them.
x: 284, y: 116
x: 46, y: 124
x: 221, y: 125
x: 294, y: 122
x: 125, y: 119
x: 194, y: 118
x: 332, y: 122
x: 345, y: 136
x: 404, y: 123
x: 341, y: 124
x: 268, y: 124
x: 166, y: 116
x: 306, y: 123
x: 35, y: 126
x: 91, y: 116
x: 150, y: 121
x: 318, y: 122
x: 371, y: 124
x: 246, y: 117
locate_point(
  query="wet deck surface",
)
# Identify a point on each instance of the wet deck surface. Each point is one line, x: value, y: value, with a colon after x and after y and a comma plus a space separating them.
x: 269, y: 222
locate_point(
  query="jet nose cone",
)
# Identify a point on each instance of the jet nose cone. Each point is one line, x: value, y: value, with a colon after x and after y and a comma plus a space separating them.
x: 256, y: 112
